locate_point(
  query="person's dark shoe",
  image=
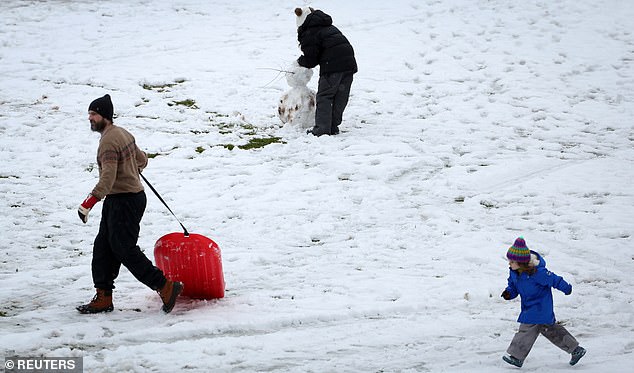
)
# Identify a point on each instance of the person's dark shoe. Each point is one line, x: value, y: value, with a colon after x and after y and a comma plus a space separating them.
x: 169, y: 292
x: 101, y: 302
x: 577, y: 354
x: 513, y: 360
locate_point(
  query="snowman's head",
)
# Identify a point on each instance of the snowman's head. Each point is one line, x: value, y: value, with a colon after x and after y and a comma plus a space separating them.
x: 299, y: 76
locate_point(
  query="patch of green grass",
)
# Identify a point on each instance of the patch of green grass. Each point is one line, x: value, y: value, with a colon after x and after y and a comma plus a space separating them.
x: 217, y: 114
x: 225, y: 128
x: 80, y: 347
x: 154, y: 155
x: 249, y: 128
x: 200, y: 149
x: 488, y: 204
x: 158, y: 87
x: 245, y: 129
x: 162, y: 87
x: 188, y: 102
x: 259, y: 142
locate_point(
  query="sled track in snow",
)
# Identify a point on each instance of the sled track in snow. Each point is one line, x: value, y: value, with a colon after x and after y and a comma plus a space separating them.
x: 244, y: 330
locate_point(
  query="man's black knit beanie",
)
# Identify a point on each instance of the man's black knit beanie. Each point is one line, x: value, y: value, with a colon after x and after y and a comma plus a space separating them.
x: 103, y: 107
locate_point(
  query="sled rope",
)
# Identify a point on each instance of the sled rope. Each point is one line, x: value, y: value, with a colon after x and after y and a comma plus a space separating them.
x: 161, y: 199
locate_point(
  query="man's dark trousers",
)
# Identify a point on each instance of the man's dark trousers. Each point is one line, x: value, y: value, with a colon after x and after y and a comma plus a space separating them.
x: 116, y: 243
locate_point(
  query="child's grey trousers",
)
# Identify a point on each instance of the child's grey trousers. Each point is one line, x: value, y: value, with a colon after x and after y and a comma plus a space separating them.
x: 527, y: 334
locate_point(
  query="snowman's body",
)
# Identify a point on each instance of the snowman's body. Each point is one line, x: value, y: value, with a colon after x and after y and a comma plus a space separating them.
x: 297, y: 105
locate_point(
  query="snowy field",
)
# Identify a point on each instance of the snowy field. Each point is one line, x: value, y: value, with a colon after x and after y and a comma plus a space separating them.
x: 377, y: 250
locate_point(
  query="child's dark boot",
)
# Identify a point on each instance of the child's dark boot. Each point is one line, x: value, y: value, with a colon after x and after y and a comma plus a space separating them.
x: 577, y: 354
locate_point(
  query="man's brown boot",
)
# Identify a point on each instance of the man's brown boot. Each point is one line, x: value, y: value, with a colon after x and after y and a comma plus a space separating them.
x: 169, y: 292
x: 102, y: 302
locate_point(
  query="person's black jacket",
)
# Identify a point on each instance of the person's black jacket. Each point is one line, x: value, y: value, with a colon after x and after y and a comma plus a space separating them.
x: 324, y: 45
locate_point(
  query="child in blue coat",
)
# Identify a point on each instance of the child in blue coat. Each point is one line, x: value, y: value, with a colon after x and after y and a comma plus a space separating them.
x: 529, y: 278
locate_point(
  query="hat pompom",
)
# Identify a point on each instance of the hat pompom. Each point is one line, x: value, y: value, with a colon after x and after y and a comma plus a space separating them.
x: 519, y: 252
x: 301, y: 14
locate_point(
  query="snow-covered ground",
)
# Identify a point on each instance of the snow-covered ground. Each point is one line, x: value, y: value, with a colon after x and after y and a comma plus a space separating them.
x: 378, y: 250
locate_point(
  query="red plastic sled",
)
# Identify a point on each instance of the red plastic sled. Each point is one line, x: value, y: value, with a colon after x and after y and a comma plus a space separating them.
x: 193, y: 260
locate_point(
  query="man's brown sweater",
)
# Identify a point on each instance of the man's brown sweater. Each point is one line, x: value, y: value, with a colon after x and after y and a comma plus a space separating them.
x: 120, y: 162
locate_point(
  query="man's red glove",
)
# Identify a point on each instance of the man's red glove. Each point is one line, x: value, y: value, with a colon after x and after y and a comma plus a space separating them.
x: 86, y: 206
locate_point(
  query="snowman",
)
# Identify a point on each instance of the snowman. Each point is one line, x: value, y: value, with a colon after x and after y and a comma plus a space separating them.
x: 297, y: 105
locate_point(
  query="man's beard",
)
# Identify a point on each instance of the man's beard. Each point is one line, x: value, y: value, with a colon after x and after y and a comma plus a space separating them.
x: 98, y: 126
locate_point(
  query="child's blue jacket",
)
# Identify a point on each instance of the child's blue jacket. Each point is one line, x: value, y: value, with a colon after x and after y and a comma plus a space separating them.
x: 534, y: 291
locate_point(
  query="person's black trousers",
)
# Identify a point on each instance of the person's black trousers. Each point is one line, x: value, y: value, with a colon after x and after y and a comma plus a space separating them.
x: 332, y: 98
x: 116, y: 243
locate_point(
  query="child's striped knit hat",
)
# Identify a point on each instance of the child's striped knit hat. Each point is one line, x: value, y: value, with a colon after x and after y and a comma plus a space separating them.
x: 519, y: 252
